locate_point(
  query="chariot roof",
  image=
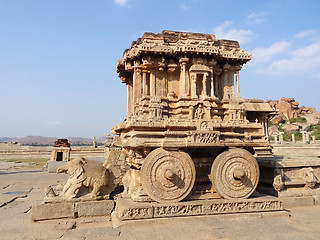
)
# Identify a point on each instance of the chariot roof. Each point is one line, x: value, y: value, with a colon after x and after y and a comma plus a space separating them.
x: 172, y: 43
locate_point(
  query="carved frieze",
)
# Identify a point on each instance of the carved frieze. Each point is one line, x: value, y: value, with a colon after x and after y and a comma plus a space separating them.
x: 209, y: 137
x: 126, y: 210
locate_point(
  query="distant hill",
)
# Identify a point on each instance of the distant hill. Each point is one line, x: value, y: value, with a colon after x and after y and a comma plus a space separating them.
x: 41, y: 140
x: 7, y: 139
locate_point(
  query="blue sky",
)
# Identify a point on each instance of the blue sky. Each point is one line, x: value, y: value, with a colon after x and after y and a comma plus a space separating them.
x: 58, y: 58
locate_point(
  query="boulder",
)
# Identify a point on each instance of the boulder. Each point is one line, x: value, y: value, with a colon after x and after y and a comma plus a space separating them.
x: 306, y: 110
x: 278, y: 118
x: 289, y: 127
x: 313, y: 118
x: 285, y: 108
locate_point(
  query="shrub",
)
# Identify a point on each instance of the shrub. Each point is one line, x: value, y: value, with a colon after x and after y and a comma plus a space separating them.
x: 298, y: 119
x: 315, y: 129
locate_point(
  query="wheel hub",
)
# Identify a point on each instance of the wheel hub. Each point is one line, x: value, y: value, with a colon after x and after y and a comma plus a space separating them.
x: 239, y: 173
x: 169, y: 174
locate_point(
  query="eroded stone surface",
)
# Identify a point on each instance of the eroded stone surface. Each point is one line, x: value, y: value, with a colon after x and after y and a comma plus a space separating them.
x: 126, y: 209
x: 290, y: 176
x: 88, y: 179
x: 94, y: 208
x: 53, y: 211
x: 60, y: 210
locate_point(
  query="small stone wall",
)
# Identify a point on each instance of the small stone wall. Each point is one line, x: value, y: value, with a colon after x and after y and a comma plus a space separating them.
x: 27, y: 152
x: 297, y: 150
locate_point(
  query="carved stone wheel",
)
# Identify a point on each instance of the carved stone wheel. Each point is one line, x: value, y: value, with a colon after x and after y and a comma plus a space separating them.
x: 235, y: 174
x: 167, y: 176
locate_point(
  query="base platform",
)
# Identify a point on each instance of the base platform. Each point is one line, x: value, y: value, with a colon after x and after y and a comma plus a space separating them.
x: 126, y: 209
x: 57, y: 210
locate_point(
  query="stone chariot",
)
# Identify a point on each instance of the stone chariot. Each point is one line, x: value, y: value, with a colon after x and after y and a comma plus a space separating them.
x: 187, y: 132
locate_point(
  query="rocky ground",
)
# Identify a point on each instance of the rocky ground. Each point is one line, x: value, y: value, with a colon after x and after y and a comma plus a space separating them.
x: 20, y: 188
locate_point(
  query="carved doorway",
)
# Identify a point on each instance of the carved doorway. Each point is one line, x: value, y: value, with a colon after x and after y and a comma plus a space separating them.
x: 59, y: 156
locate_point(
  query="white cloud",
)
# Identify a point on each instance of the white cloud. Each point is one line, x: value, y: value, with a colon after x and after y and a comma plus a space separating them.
x: 53, y: 123
x: 240, y: 35
x: 307, y: 52
x: 256, y: 18
x: 304, y: 34
x: 122, y: 3
x: 303, y: 60
x: 266, y: 54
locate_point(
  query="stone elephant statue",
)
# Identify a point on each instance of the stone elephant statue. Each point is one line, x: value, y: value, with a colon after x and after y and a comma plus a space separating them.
x: 87, y: 179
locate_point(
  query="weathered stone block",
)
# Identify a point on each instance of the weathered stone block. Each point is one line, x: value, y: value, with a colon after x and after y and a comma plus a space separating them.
x: 53, y: 211
x: 297, y: 201
x: 126, y: 209
x: 316, y: 199
x: 94, y: 208
x: 53, y: 166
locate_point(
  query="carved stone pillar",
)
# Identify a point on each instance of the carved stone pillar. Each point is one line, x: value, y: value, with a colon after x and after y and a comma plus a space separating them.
x: 134, y: 85
x: 152, y: 83
x: 237, y: 85
x: 281, y: 137
x: 137, y: 82
x: 191, y: 112
x: 144, y: 83
x: 304, y: 140
x: 204, y: 86
x: 212, y: 83
x: 170, y: 89
x: 265, y: 125
x: 293, y: 137
x: 217, y: 72
x: 307, y: 137
x: 194, y: 86
x: 128, y: 100
x: 228, y: 82
x: 184, y: 82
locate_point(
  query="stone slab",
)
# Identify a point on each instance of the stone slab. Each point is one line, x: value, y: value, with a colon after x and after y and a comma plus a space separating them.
x: 53, y: 166
x: 59, y: 210
x: 288, y: 162
x: 52, y: 211
x: 94, y: 208
x: 298, y: 192
x: 316, y: 199
x: 288, y: 202
x: 126, y: 209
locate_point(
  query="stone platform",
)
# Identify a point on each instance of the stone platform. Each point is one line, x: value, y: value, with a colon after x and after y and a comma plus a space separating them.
x: 126, y: 209
x: 57, y: 210
x: 287, y: 177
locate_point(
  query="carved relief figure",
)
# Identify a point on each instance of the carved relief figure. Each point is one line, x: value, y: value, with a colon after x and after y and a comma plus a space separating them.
x: 199, y: 113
